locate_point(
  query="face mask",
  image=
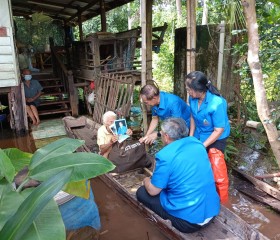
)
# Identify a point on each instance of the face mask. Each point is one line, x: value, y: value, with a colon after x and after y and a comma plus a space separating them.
x: 27, y: 77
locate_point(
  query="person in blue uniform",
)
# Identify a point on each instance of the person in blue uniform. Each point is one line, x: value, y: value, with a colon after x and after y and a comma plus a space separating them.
x: 164, y: 105
x: 122, y: 129
x: 32, y: 91
x: 182, y: 187
x: 209, y: 119
x: 210, y: 125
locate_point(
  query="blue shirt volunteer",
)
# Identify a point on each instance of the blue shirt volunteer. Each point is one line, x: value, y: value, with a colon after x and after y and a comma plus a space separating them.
x: 187, y: 182
x: 211, y: 114
x: 172, y: 106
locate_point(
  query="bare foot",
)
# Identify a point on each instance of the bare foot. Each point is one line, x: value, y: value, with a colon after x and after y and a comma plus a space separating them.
x: 38, y: 122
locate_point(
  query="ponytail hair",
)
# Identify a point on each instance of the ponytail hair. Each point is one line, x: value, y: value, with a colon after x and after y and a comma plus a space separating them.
x: 198, y: 82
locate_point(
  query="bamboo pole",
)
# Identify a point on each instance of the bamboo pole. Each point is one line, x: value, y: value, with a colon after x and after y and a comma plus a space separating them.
x: 149, y: 32
x: 144, y: 57
x: 221, y: 55
x: 191, y: 35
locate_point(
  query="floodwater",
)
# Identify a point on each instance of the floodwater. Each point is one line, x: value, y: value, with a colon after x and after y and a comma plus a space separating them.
x: 120, y: 222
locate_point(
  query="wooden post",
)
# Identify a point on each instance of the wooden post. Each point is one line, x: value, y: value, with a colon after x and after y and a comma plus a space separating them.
x: 67, y: 44
x: 80, y: 27
x: 18, y: 120
x: 103, y: 16
x: 96, y: 57
x: 191, y: 35
x: 144, y: 58
x: 73, y: 93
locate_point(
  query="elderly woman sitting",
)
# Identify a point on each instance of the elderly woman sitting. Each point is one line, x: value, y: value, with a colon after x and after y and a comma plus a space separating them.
x: 105, y: 137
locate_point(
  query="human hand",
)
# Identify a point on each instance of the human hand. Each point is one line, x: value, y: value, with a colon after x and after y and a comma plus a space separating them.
x: 145, y: 180
x: 29, y: 100
x: 149, y: 139
x: 114, y: 138
x: 129, y: 132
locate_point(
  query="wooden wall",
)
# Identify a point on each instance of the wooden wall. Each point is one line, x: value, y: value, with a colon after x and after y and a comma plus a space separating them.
x: 9, y: 75
x: 207, y: 46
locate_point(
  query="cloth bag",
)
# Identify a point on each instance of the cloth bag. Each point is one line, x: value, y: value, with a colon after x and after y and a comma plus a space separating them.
x: 129, y: 155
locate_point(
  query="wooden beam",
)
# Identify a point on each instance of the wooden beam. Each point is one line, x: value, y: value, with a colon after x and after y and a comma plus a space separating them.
x: 42, y: 2
x: 260, y: 184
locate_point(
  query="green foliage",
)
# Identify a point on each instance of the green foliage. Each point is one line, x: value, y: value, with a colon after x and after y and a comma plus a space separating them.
x: 32, y: 213
x: 37, y: 35
x: 230, y: 151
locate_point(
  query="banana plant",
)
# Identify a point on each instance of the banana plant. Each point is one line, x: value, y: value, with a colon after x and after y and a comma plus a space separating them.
x: 31, y: 213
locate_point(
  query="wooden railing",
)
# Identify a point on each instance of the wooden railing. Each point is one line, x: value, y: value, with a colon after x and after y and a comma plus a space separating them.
x: 67, y: 80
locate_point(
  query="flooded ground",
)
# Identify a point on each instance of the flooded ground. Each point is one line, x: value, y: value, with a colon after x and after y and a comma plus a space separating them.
x: 119, y: 221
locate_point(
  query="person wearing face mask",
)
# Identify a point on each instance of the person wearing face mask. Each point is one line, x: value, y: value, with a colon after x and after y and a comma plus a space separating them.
x: 33, y: 91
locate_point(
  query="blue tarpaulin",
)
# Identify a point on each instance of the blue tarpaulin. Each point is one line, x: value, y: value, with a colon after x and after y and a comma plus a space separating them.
x: 79, y: 212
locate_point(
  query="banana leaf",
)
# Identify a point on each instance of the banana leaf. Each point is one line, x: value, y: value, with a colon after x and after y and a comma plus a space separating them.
x: 55, y: 149
x: 48, y: 225
x: 31, y: 207
x: 79, y: 189
x: 18, y: 158
x: 9, y: 201
x: 86, y: 165
x: 7, y: 169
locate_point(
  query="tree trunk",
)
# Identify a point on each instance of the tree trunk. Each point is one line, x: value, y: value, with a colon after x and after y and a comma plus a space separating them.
x: 256, y: 70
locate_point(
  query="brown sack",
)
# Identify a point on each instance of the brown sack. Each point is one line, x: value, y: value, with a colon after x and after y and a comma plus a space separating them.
x: 129, y: 155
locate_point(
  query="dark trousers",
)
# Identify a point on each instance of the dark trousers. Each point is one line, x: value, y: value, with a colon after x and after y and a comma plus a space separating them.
x: 219, y: 144
x: 153, y: 203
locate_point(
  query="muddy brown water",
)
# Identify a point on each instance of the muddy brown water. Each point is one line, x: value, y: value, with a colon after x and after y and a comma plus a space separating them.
x: 120, y: 222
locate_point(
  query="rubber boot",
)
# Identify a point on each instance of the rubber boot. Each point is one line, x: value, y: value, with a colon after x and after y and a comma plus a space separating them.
x: 219, y: 168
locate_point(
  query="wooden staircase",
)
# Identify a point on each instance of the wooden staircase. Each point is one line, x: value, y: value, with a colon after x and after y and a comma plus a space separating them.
x: 55, y: 99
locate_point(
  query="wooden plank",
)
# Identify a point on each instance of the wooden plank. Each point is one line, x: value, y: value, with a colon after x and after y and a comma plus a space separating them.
x: 6, y: 50
x: 6, y: 59
x: 5, y: 41
x: 6, y: 67
x: 261, y: 197
x: 260, y: 184
x: 54, y: 111
x: 8, y: 83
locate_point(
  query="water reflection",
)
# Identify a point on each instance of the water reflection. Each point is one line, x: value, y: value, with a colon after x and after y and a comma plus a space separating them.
x: 23, y: 141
